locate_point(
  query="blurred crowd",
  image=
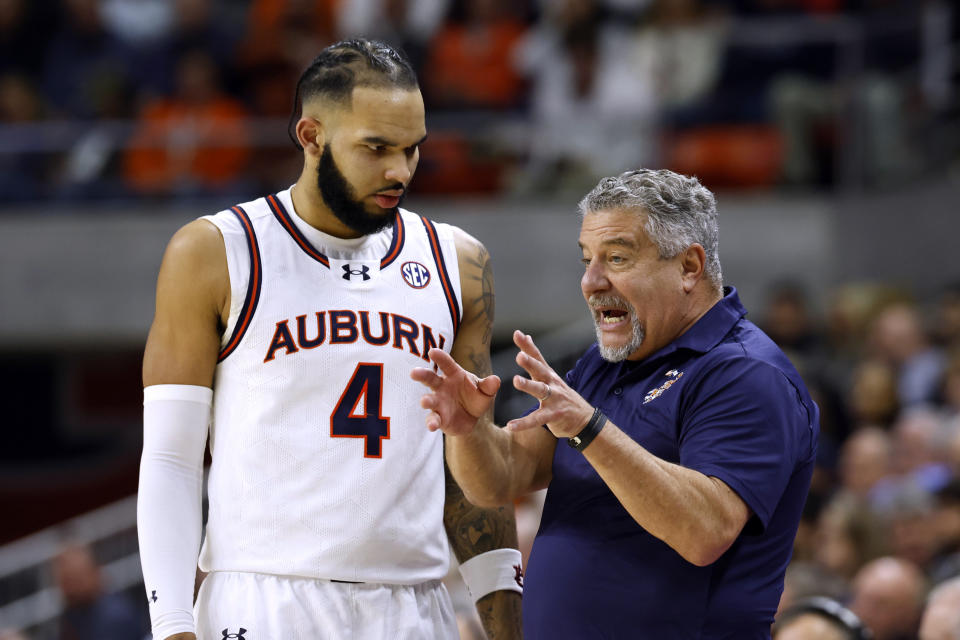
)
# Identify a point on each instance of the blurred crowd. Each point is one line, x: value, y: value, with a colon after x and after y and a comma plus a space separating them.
x: 881, y: 529
x: 161, y: 98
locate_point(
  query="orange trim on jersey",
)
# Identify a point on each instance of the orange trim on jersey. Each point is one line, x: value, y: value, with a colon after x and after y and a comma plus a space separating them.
x: 396, y: 246
x: 281, y: 214
x: 452, y: 303
x: 253, y: 286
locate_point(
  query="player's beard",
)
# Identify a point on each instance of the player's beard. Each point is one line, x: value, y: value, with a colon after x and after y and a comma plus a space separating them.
x: 342, y: 199
x: 616, y: 354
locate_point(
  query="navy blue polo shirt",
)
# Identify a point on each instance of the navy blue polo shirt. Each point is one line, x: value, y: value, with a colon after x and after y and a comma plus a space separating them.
x: 724, y: 400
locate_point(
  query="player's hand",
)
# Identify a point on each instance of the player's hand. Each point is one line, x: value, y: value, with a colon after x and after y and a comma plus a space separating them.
x: 457, y: 397
x: 562, y: 409
x: 182, y: 636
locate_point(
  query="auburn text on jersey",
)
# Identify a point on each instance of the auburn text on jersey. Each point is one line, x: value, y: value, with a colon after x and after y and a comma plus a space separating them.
x: 343, y: 326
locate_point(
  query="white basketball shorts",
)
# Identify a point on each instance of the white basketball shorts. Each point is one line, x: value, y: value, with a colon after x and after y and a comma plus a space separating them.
x: 255, y: 606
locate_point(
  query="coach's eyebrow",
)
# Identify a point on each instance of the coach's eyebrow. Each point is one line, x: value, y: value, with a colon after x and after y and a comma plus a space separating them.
x: 619, y: 241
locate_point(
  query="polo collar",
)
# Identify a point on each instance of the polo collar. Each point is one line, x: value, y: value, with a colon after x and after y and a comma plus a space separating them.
x: 710, y: 329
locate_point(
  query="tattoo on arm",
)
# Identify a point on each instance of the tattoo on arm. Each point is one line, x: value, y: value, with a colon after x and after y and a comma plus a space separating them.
x: 483, y: 303
x: 472, y: 531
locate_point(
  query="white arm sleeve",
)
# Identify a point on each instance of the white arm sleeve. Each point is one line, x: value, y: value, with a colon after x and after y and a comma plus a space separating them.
x: 169, y: 520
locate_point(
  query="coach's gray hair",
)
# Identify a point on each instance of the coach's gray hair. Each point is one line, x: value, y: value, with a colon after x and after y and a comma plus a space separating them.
x: 680, y: 212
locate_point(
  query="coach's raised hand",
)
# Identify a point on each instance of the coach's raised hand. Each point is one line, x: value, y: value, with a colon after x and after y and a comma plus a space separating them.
x: 457, y: 398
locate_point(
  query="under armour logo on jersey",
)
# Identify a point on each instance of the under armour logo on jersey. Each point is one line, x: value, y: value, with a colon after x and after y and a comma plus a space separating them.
x: 236, y: 636
x: 518, y: 575
x: 153, y: 596
x: 362, y: 271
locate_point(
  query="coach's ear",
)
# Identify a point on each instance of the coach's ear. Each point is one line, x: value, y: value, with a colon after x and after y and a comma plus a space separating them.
x: 693, y: 261
x: 310, y: 134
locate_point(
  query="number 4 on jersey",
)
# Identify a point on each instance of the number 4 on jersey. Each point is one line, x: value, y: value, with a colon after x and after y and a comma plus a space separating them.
x: 348, y: 421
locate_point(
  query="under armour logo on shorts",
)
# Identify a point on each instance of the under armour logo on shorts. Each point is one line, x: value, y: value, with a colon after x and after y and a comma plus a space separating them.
x: 362, y: 271
x: 236, y: 636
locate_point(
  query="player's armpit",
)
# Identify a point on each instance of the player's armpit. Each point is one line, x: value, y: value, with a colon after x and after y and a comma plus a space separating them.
x: 193, y: 294
x: 473, y: 530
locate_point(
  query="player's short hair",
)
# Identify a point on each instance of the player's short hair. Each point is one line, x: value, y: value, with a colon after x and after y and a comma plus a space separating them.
x: 680, y: 211
x: 345, y: 65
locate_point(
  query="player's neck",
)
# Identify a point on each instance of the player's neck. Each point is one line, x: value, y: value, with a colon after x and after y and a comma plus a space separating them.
x: 309, y: 205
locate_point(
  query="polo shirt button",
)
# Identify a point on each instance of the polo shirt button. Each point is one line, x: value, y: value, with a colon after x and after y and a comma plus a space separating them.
x: 617, y: 391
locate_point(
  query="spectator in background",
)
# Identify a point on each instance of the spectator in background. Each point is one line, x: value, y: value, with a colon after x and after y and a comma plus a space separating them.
x: 591, y: 113
x: 872, y: 398
x: 941, y: 616
x: 90, y: 612
x: 897, y: 336
x: 918, y: 448
x: 849, y: 534
x: 946, y: 524
x: 85, y: 62
x: 679, y: 51
x: 864, y: 461
x: 286, y: 33
x: 194, y: 25
x: 947, y: 318
x: 470, y: 62
x: 24, y: 36
x: 907, y: 514
x: 888, y: 595
x: 950, y: 385
x: 787, y: 319
x: 407, y: 24
x: 22, y: 176
x: 193, y: 143
x: 806, y: 580
x: 819, y: 618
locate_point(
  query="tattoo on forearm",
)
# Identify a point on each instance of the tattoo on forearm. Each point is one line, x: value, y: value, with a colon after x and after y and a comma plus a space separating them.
x: 500, y: 614
x: 473, y: 530
x: 480, y: 364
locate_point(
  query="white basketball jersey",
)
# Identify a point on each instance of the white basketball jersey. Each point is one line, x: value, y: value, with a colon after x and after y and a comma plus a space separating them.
x: 322, y: 464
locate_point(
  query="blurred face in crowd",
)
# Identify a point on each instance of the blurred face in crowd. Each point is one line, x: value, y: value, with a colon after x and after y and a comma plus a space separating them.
x: 369, y: 153
x: 887, y: 596
x: 873, y: 396
x: 808, y: 626
x: 638, y: 300
x: 941, y: 617
x: 77, y: 575
x: 864, y: 460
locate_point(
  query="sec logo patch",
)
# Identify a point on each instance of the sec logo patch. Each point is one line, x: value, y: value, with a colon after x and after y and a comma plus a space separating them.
x: 415, y: 274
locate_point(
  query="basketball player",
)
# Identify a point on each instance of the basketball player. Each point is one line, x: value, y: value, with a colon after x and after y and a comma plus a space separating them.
x: 298, y: 317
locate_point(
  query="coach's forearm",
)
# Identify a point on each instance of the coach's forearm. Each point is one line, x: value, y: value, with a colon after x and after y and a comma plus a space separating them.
x: 481, y: 463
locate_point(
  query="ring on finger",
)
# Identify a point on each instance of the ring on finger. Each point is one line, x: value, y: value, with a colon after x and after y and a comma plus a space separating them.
x: 544, y: 398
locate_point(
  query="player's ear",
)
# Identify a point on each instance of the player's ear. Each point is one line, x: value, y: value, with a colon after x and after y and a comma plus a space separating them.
x: 310, y: 134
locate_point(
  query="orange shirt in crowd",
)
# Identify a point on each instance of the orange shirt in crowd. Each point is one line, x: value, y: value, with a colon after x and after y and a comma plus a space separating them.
x: 179, y: 144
